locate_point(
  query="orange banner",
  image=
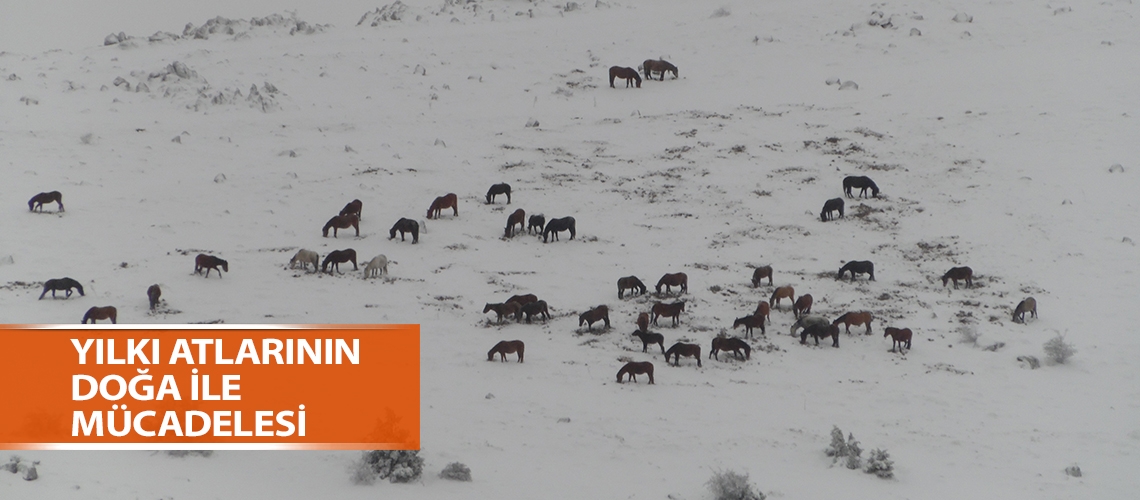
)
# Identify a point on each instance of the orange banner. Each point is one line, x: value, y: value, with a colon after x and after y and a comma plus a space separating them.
x: 248, y: 387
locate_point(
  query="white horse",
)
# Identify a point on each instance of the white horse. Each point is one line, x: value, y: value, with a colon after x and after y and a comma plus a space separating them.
x: 809, y: 320
x: 305, y: 257
x: 377, y: 266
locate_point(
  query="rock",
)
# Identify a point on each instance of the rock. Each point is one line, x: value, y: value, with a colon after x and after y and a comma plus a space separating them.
x: 963, y: 17
x: 1073, y: 471
x: 439, y: 142
x: 1116, y: 167
x: 119, y: 81
x: 915, y: 32
x: 834, y: 81
x: 141, y: 87
x: 849, y: 85
x: 489, y: 396
x: 110, y: 40
x: 220, y: 178
x: 177, y: 139
x: 532, y: 123
x: 1030, y: 361
x: 420, y: 70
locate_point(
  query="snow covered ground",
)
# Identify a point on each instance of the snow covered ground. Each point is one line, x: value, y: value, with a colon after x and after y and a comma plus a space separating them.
x: 992, y: 142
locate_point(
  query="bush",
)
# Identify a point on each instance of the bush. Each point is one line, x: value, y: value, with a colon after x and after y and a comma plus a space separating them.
x: 880, y: 464
x: 397, y: 466
x: 730, y: 485
x: 854, y: 453
x: 969, y: 334
x: 848, y: 449
x: 1059, y: 351
x: 838, y: 446
x: 456, y: 471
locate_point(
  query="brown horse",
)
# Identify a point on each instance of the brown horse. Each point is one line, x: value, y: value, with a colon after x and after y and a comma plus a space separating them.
x: 352, y: 208
x: 730, y: 344
x: 630, y: 283
x: 784, y: 292
x: 95, y: 313
x: 821, y: 330
x: 682, y: 349
x: 335, y: 257
x: 503, y: 310
x: 651, y: 66
x: 536, y: 308
x: 153, y: 293
x: 959, y: 273
x: 505, y: 347
x: 341, y: 222
x: 761, y: 273
x: 523, y: 299
x: 749, y: 323
x: 668, y: 310
x: 634, y: 368
x: 448, y: 200
x: 38, y: 201
x: 519, y: 218
x: 627, y: 74
x: 1028, y: 305
x: 643, y: 322
x: 208, y: 262
x: 856, y: 318
x: 672, y: 280
x: 588, y: 318
x: 763, y: 309
x: 899, y: 336
x: 650, y: 338
x: 802, y: 305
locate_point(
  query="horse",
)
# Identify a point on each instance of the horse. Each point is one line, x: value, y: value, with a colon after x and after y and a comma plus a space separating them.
x: 784, y: 292
x: 95, y: 313
x: 660, y: 66
x: 305, y: 257
x: 959, y: 273
x: 824, y: 331
x: 600, y: 313
x: 856, y: 318
x: 63, y: 285
x: 535, y: 224
x: 761, y: 273
x: 448, y: 200
x: 208, y: 262
x: 730, y: 344
x: 634, y: 368
x: 682, y: 349
x: 627, y: 74
x: 668, y: 310
x: 405, y: 226
x: 523, y: 299
x: 672, y: 280
x: 341, y: 222
x: 497, y: 189
x: 335, y: 257
x: 809, y: 320
x: 518, y: 217
x: 857, y: 267
x: 352, y: 208
x: 1029, y: 305
x: 650, y: 338
x: 643, y: 322
x: 832, y: 205
x: 763, y: 310
x: 749, y: 323
x: 503, y: 310
x: 802, y: 305
x: 630, y: 283
x: 505, y: 347
x: 557, y: 225
x: 899, y: 336
x: 536, y: 308
x: 378, y: 266
x: 863, y: 183
x: 38, y: 201
x: 153, y: 293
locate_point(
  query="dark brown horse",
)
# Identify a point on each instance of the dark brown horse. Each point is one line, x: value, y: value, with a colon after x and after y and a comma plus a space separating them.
x: 672, y: 280
x: 536, y: 308
x: 555, y: 226
x: 959, y: 273
x: 523, y: 299
x: 516, y: 218
x: 628, y: 74
x: 588, y: 318
x: 802, y: 305
x: 650, y: 338
x: 95, y: 313
x: 784, y: 292
x: 730, y: 344
x: 208, y: 262
x: 761, y: 273
x: 634, y: 368
x: 505, y: 347
x: 63, y: 285
x: 503, y: 310
x: 750, y: 322
x: 863, y: 183
x: 764, y: 310
x: 856, y: 318
x: 857, y: 267
x: 899, y: 336
x: 1028, y: 305
x: 341, y: 222
x: 673, y: 310
x: 651, y: 66
x: 153, y: 293
x: 38, y: 201
x: 630, y: 283
x: 497, y: 189
x: 352, y: 208
x: 832, y: 205
x: 448, y: 200
x: 643, y: 322
x: 535, y: 224
x: 405, y: 226
x: 335, y: 257
x: 823, y: 331
x: 682, y: 349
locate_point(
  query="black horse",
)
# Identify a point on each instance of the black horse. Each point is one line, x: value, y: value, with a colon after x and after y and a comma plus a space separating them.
x: 536, y: 223
x: 821, y: 330
x: 857, y: 267
x: 863, y: 183
x: 335, y: 258
x: 832, y: 205
x: 61, y: 284
x: 406, y: 226
x: 497, y: 189
x: 630, y: 283
x: 557, y: 225
x: 536, y: 308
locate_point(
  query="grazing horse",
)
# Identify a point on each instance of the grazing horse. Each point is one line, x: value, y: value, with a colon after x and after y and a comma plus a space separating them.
x: 650, y: 338
x: 749, y: 323
x: 809, y: 320
x: 761, y: 273
x: 802, y: 305
x: 630, y: 283
x: 497, y: 189
x: 588, y: 318
x: 95, y: 313
x: 448, y: 200
x: 643, y: 322
x: 536, y: 308
x: 208, y: 262
x: 856, y: 318
x: 959, y: 273
x: 378, y: 266
x: 730, y: 344
x: 857, y: 267
x: 503, y: 310
x: 651, y: 66
x: 1028, y: 305
x: 38, y: 201
x: 557, y: 225
x: 824, y: 331
x: 335, y: 257
x: 341, y: 222
x: 682, y: 349
x: 863, y: 183
x: 784, y: 292
x: 832, y: 205
x: 627, y: 74
x: 523, y: 299
x: 763, y: 310
x: 519, y: 218
x: 153, y: 293
x: 535, y: 224
x: 899, y: 336
x: 305, y: 257
x: 672, y: 280
x: 505, y: 347
x: 634, y: 368
x: 405, y: 226
x: 352, y: 208
x: 668, y: 310
x: 63, y: 285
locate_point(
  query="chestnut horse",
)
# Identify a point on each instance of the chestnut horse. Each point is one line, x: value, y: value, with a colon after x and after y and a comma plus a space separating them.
x: 1028, y: 305
x: 784, y: 292
x: 802, y: 305
x: 38, y: 201
x: 588, y: 318
x: 899, y: 336
x: 682, y: 349
x: 536, y: 308
x: 959, y: 273
x: 153, y: 293
x: 761, y: 273
x: 523, y: 299
x: 824, y: 331
x: 505, y: 347
x: 627, y: 74
x: 856, y: 318
x: 857, y: 267
x: 650, y: 338
x: 503, y: 310
x: 730, y: 344
x: 634, y: 368
x: 95, y: 313
x: 519, y: 218
x: 749, y: 323
x: 557, y: 225
x: 352, y: 208
x: 863, y: 183
x: 643, y: 322
x: 208, y: 262
x: 405, y: 226
x: 448, y: 200
x: 672, y: 280
x: 630, y: 283
x: 668, y: 310
x: 341, y: 222
x: 832, y: 205
x: 63, y: 285
x: 535, y: 224
x: 497, y: 189
x: 651, y: 66
x: 763, y: 309
x: 335, y: 257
